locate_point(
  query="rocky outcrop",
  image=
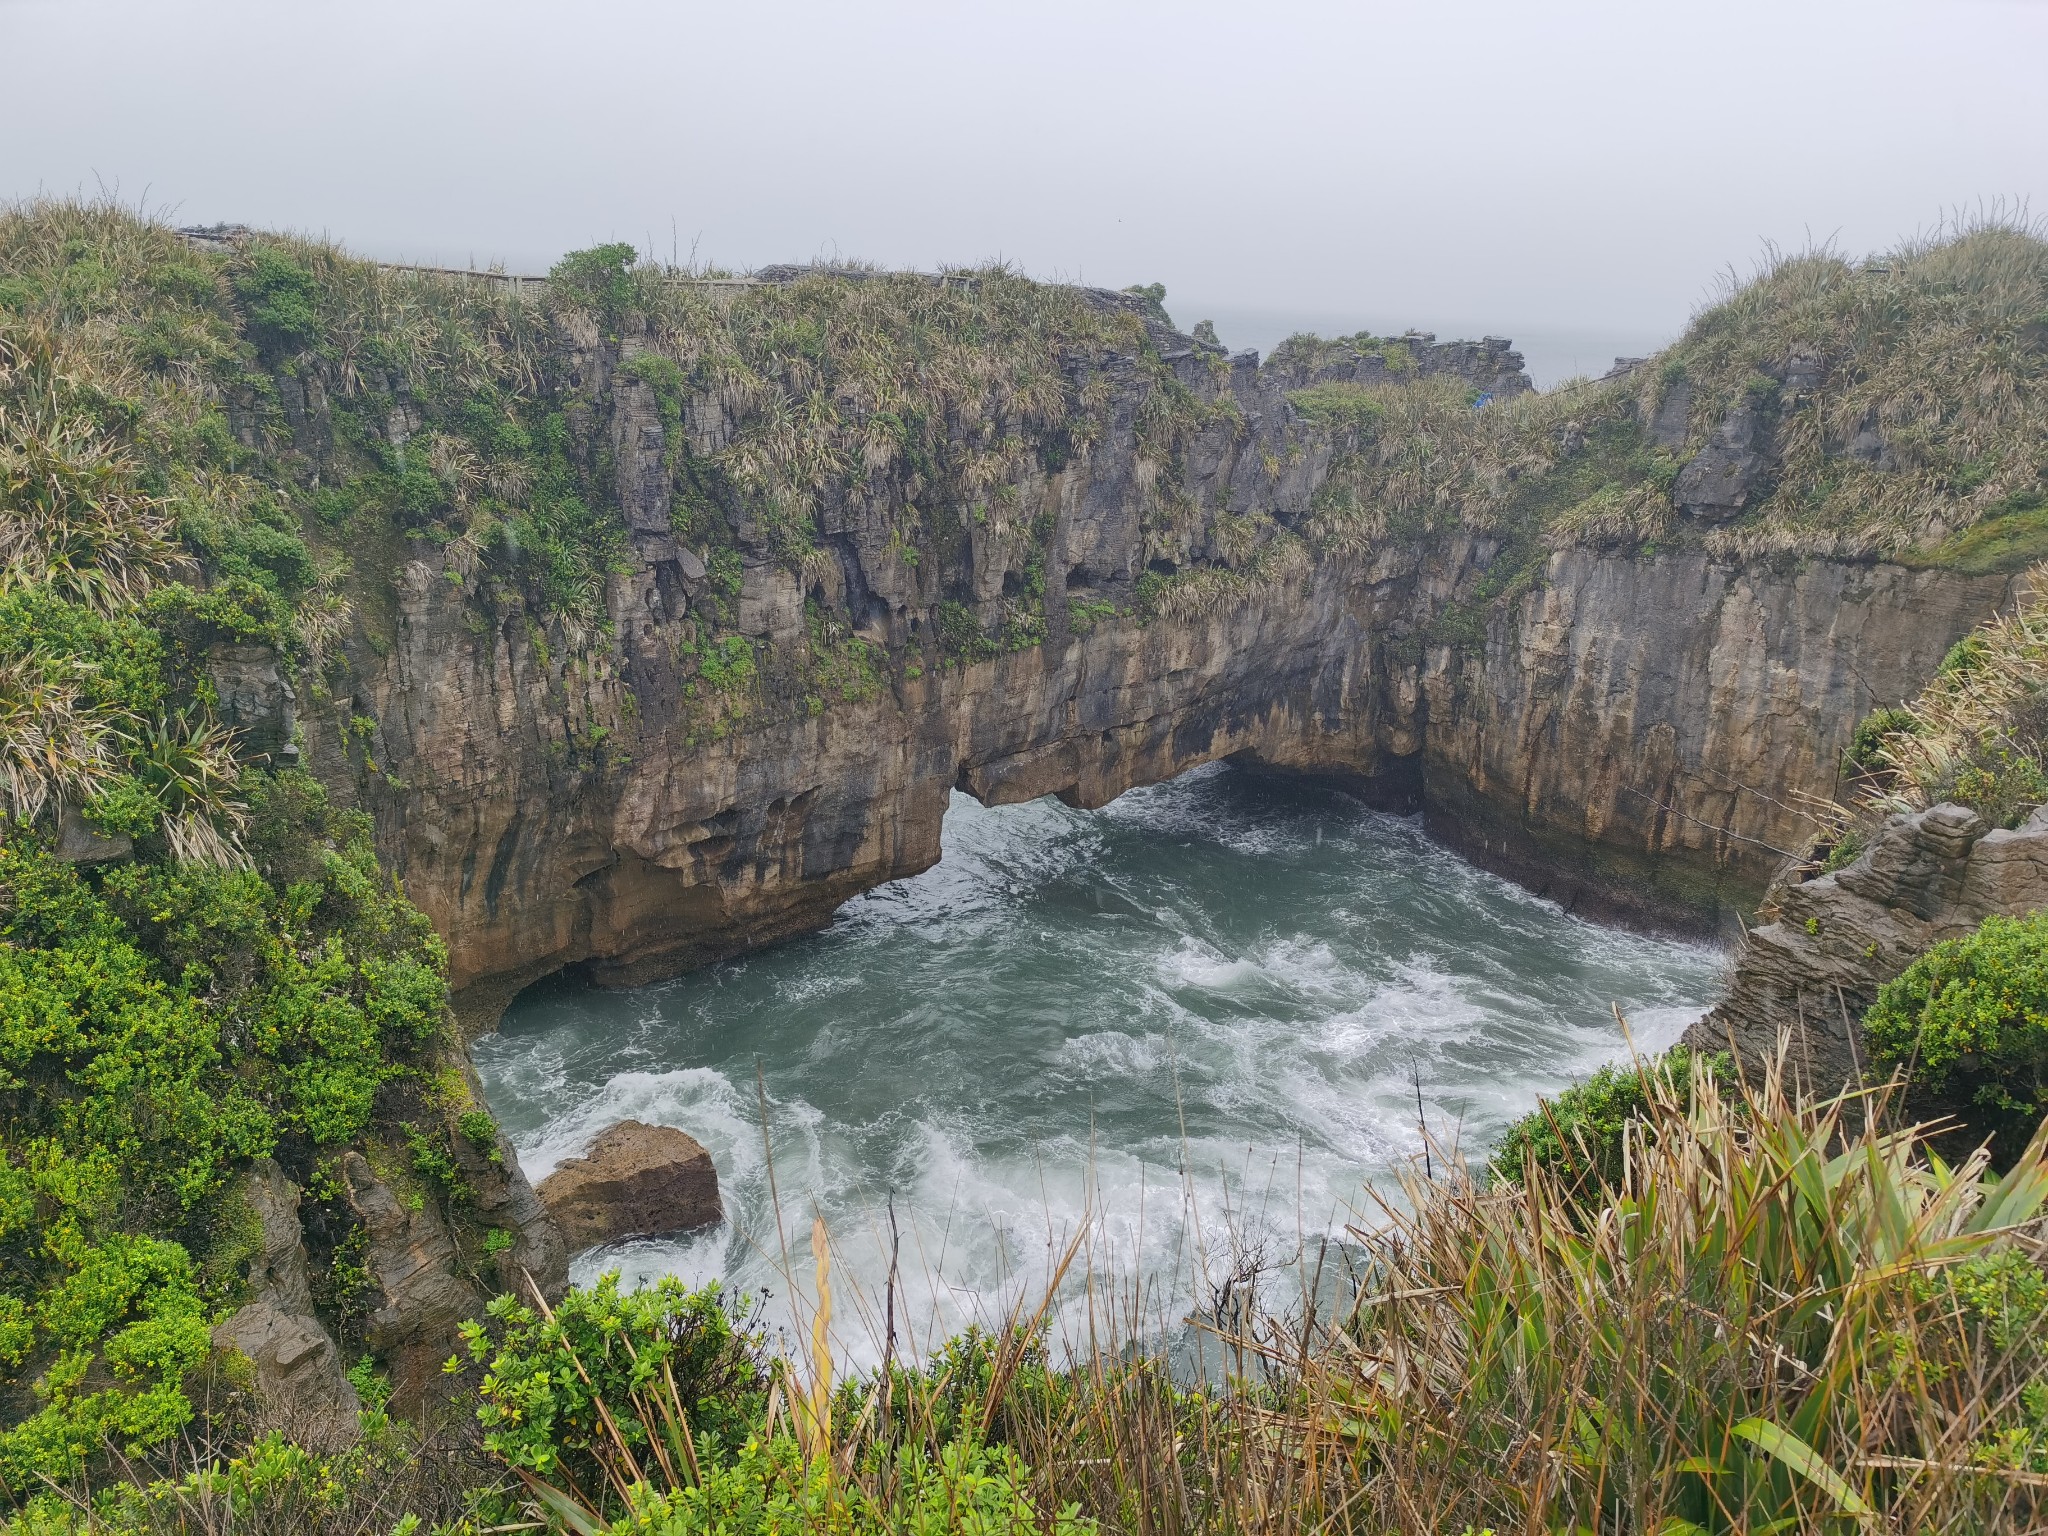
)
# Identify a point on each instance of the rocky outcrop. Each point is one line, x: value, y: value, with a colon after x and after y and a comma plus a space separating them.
x: 423, y: 1286
x: 296, y: 1370
x: 1733, y: 472
x: 1630, y: 734
x: 635, y: 1181
x: 421, y: 1297
x: 503, y: 1199
x: 79, y: 842
x: 255, y: 700
x: 1809, y: 976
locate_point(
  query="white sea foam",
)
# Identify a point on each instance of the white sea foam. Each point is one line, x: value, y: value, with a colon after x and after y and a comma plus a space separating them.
x: 1186, y: 1031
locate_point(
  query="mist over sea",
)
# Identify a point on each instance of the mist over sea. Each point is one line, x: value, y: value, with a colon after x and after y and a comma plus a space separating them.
x: 1189, y: 1027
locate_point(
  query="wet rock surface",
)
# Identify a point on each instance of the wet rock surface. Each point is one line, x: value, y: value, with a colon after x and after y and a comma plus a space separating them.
x: 635, y: 1181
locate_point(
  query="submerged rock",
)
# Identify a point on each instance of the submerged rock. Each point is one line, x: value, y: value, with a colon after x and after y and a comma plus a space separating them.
x: 636, y: 1180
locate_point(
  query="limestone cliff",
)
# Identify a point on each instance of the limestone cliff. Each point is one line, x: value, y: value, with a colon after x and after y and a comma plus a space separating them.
x: 660, y: 617
x: 1808, y: 976
x: 1629, y: 732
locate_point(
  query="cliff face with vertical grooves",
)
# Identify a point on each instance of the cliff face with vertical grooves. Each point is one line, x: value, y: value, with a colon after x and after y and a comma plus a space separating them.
x: 1624, y: 728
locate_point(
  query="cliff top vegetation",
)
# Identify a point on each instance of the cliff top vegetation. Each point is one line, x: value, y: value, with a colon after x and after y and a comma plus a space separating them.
x: 1894, y: 406
x: 201, y: 963
x: 311, y: 415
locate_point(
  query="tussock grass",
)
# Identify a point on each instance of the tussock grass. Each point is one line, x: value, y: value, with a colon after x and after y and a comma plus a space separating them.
x: 101, y: 469
x: 1905, y: 397
x: 1978, y: 733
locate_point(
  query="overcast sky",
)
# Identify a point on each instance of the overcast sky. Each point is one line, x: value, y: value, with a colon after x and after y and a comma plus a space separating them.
x: 1572, y: 174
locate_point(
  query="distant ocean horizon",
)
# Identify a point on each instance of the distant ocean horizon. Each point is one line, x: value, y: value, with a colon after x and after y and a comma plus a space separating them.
x: 1553, y: 353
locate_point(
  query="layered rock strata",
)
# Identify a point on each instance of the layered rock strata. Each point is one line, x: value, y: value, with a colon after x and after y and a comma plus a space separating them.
x: 1807, y: 978
x: 1631, y: 733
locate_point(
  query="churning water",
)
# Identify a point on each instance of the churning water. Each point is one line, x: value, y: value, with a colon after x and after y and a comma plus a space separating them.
x: 1189, y: 1028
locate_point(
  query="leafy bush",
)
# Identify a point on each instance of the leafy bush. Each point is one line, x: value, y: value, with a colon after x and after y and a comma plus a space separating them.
x: 960, y: 634
x: 549, y: 1371
x: 652, y: 1409
x: 1581, y: 1136
x: 726, y: 665
x: 1345, y: 406
x: 601, y: 275
x: 1866, y: 741
x: 974, y: 1490
x: 279, y: 296
x: 1969, y: 1021
x: 159, y: 1025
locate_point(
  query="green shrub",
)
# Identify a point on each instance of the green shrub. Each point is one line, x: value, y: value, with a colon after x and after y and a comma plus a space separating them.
x: 974, y: 1490
x: 601, y: 276
x: 1345, y: 406
x: 1867, y: 740
x: 1968, y: 1020
x: 545, y: 1375
x: 960, y: 634
x: 278, y: 296
x: 160, y: 1024
x: 1580, y: 1136
x: 727, y: 665
x: 123, y: 1326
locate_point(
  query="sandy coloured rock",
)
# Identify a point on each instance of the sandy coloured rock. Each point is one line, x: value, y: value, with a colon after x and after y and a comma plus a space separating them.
x: 636, y: 1180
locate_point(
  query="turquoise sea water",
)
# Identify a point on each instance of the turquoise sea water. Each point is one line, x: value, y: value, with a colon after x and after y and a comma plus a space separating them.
x: 1184, y: 1033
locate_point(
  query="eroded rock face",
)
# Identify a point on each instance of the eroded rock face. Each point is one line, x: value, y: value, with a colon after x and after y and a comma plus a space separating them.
x: 635, y: 1181
x: 1809, y: 976
x: 298, y: 1377
x: 422, y: 1295
x: 1631, y: 735
x: 424, y: 1289
x: 255, y: 699
x: 1733, y: 471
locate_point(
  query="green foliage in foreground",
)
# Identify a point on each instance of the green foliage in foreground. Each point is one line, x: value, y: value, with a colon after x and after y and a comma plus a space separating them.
x: 1581, y: 1136
x: 547, y: 1373
x: 1968, y: 1021
x: 160, y: 1025
x: 1613, y: 1337
x: 659, y: 1411
x: 972, y: 1490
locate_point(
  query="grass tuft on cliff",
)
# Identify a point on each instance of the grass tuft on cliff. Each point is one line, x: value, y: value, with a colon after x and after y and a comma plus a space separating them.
x: 1978, y: 733
x: 1899, y: 403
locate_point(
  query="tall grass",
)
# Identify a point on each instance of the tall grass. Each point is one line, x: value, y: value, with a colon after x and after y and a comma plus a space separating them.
x: 1783, y: 1316
x: 1906, y: 397
x: 1978, y: 733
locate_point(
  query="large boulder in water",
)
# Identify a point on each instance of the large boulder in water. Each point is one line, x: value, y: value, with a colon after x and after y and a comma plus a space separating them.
x: 636, y: 1180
